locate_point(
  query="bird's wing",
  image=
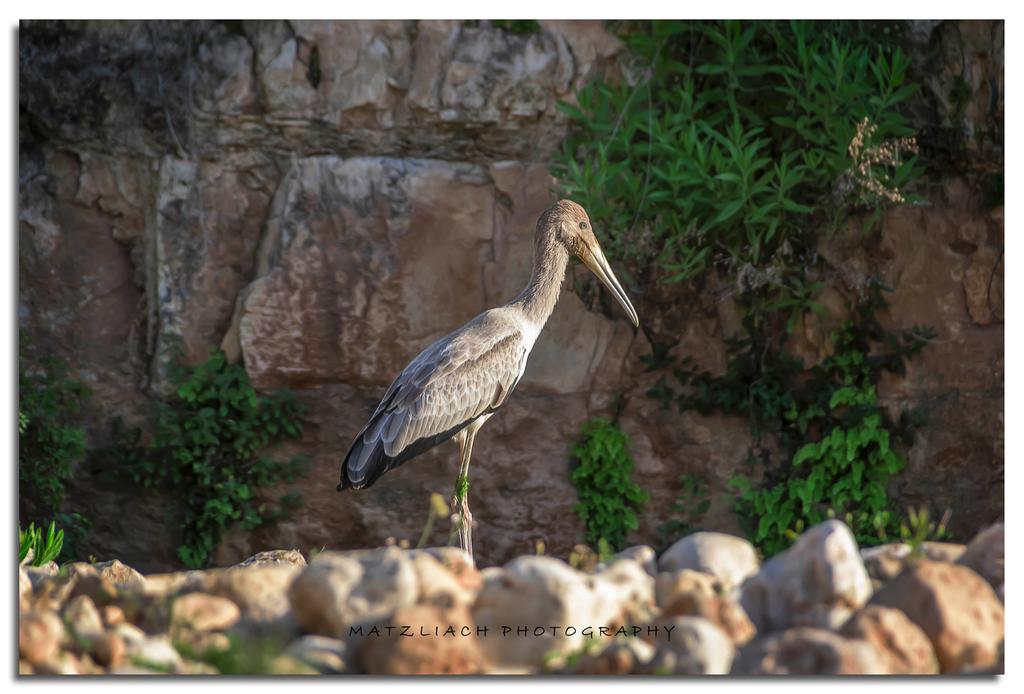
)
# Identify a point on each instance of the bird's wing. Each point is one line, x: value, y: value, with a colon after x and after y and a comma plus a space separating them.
x: 458, y: 378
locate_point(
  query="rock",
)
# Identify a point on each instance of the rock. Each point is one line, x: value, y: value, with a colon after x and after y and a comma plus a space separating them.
x: 634, y: 587
x: 424, y: 652
x: 324, y: 654
x: 808, y: 651
x: 109, y: 650
x: 643, y: 555
x: 154, y: 653
x: 131, y: 634
x: 729, y: 558
x: 670, y: 584
x: 121, y: 575
x: 536, y: 592
x: 619, y: 657
x: 192, y: 667
x: 24, y: 585
x: 36, y: 574
x: 65, y: 663
x: 955, y: 607
x: 884, y: 562
x: 202, y: 643
x: 275, y: 557
x: 112, y: 615
x: 437, y: 585
x: 984, y: 555
x: 260, y: 592
x: 338, y: 589
x: 203, y: 612
x: 692, y: 594
x: 695, y: 646
x: 905, y: 649
x: 39, y: 637
x: 83, y: 618
x: 458, y: 562
x: 100, y: 589
x: 819, y: 581
x: 983, y: 286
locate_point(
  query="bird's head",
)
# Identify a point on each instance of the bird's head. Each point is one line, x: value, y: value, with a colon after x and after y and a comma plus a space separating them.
x: 570, y: 225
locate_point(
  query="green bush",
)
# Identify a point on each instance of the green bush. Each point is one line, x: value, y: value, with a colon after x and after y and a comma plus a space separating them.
x: 691, y: 504
x: 205, y: 451
x: 50, y: 441
x: 608, y: 498
x: 832, y: 446
x: 727, y: 145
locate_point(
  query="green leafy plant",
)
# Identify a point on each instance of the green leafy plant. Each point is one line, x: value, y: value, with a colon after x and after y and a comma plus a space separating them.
x: 691, y: 504
x: 50, y: 441
x: 608, y: 498
x: 917, y: 527
x: 205, y: 449
x: 45, y: 545
x: 832, y: 446
x: 729, y: 145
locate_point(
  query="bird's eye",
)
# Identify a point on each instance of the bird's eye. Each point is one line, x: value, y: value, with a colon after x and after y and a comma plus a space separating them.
x: 583, y: 225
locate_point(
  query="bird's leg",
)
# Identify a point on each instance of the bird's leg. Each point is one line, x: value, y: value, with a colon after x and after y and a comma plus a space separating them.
x: 460, y: 499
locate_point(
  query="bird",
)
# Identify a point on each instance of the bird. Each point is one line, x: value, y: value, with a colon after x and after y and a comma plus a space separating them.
x: 451, y: 388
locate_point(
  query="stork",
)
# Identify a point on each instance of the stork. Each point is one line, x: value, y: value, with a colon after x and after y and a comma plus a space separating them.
x: 454, y: 386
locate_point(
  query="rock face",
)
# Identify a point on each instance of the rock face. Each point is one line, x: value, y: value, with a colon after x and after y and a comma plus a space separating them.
x: 323, y: 199
x: 817, y: 582
x: 955, y: 607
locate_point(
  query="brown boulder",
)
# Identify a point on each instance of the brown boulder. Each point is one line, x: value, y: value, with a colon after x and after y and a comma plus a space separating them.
x: 39, y: 637
x: 425, y: 651
x: 984, y: 555
x: 275, y: 557
x: 808, y: 651
x: 901, y: 643
x: 121, y: 575
x: 203, y: 612
x: 955, y: 607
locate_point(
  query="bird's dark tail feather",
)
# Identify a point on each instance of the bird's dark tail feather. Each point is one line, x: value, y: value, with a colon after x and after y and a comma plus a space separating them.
x: 373, y: 464
x: 363, y: 467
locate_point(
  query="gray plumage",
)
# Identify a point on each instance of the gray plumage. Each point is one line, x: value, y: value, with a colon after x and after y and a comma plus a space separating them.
x: 465, y: 374
x: 453, y: 386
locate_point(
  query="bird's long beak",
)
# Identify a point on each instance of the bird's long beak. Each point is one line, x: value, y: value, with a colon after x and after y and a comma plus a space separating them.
x: 594, y: 259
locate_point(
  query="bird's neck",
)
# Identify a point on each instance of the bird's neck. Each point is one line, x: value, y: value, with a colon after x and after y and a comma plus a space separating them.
x: 538, y: 299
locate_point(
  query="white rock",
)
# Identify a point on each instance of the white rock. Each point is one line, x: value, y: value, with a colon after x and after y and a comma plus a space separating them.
x: 644, y: 555
x: 538, y: 592
x: 698, y: 645
x: 437, y: 585
x: 155, y: 653
x: 339, y: 589
x: 818, y: 582
x: 83, y: 617
x: 635, y: 587
x: 323, y: 653
x: 728, y: 558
